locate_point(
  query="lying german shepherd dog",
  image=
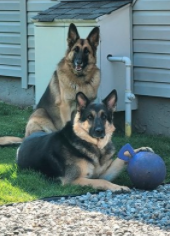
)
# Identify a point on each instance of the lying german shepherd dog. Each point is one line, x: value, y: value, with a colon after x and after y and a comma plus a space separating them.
x: 80, y: 153
x: 76, y: 72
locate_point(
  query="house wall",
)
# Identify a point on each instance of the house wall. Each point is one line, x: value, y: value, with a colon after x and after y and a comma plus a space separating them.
x: 17, y: 62
x: 151, y: 59
x: 151, y: 46
x: 33, y: 7
x: 10, y: 37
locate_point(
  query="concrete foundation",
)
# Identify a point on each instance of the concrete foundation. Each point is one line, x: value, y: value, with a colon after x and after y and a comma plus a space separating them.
x: 152, y: 116
x: 12, y: 93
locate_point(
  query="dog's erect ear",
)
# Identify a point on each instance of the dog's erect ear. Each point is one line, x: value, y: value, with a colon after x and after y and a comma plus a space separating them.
x: 82, y: 101
x: 73, y: 35
x: 93, y: 38
x: 111, y: 100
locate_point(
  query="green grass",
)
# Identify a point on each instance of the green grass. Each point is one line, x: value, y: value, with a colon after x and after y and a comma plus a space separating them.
x: 20, y: 186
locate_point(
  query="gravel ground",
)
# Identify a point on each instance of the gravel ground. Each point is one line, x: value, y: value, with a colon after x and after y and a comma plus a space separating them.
x: 104, y: 214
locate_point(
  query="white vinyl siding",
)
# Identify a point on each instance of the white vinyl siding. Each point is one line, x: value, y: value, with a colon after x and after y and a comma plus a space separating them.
x: 33, y: 7
x: 17, y: 56
x: 151, y: 47
x: 10, y: 37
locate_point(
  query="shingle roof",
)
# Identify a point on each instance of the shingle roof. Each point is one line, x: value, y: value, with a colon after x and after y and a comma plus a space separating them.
x: 84, y: 10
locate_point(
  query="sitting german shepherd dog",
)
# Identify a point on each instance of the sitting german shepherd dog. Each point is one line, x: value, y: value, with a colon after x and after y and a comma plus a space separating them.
x: 76, y: 72
x: 80, y: 153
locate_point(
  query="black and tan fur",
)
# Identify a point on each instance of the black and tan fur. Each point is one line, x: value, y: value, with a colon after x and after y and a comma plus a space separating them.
x: 76, y: 72
x: 82, y: 152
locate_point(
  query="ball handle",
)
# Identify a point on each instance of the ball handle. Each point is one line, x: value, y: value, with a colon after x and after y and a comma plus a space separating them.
x: 126, y: 147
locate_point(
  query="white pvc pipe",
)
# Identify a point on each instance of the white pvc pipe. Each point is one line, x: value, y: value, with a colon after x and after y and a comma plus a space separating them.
x: 129, y: 96
x: 125, y: 60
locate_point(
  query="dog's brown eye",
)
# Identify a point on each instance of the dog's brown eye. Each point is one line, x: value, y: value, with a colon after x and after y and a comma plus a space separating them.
x: 76, y: 49
x: 90, y: 117
x: 86, y: 51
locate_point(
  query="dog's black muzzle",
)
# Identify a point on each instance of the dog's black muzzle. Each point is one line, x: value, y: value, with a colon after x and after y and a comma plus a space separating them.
x: 78, y: 62
x: 98, y: 130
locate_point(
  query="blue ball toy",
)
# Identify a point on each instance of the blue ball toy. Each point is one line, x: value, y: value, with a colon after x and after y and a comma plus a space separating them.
x: 146, y: 170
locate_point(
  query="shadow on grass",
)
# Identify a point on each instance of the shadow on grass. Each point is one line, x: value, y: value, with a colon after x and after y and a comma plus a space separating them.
x: 18, y: 185
x: 26, y: 185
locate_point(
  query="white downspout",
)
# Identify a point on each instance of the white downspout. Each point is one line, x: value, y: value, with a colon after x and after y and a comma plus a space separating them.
x: 129, y: 96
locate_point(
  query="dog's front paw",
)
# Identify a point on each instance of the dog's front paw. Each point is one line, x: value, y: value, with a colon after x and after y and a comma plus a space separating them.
x: 124, y: 189
x: 144, y: 149
x: 118, y: 188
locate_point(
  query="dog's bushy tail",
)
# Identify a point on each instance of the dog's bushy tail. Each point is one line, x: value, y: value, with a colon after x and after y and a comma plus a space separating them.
x: 10, y: 140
